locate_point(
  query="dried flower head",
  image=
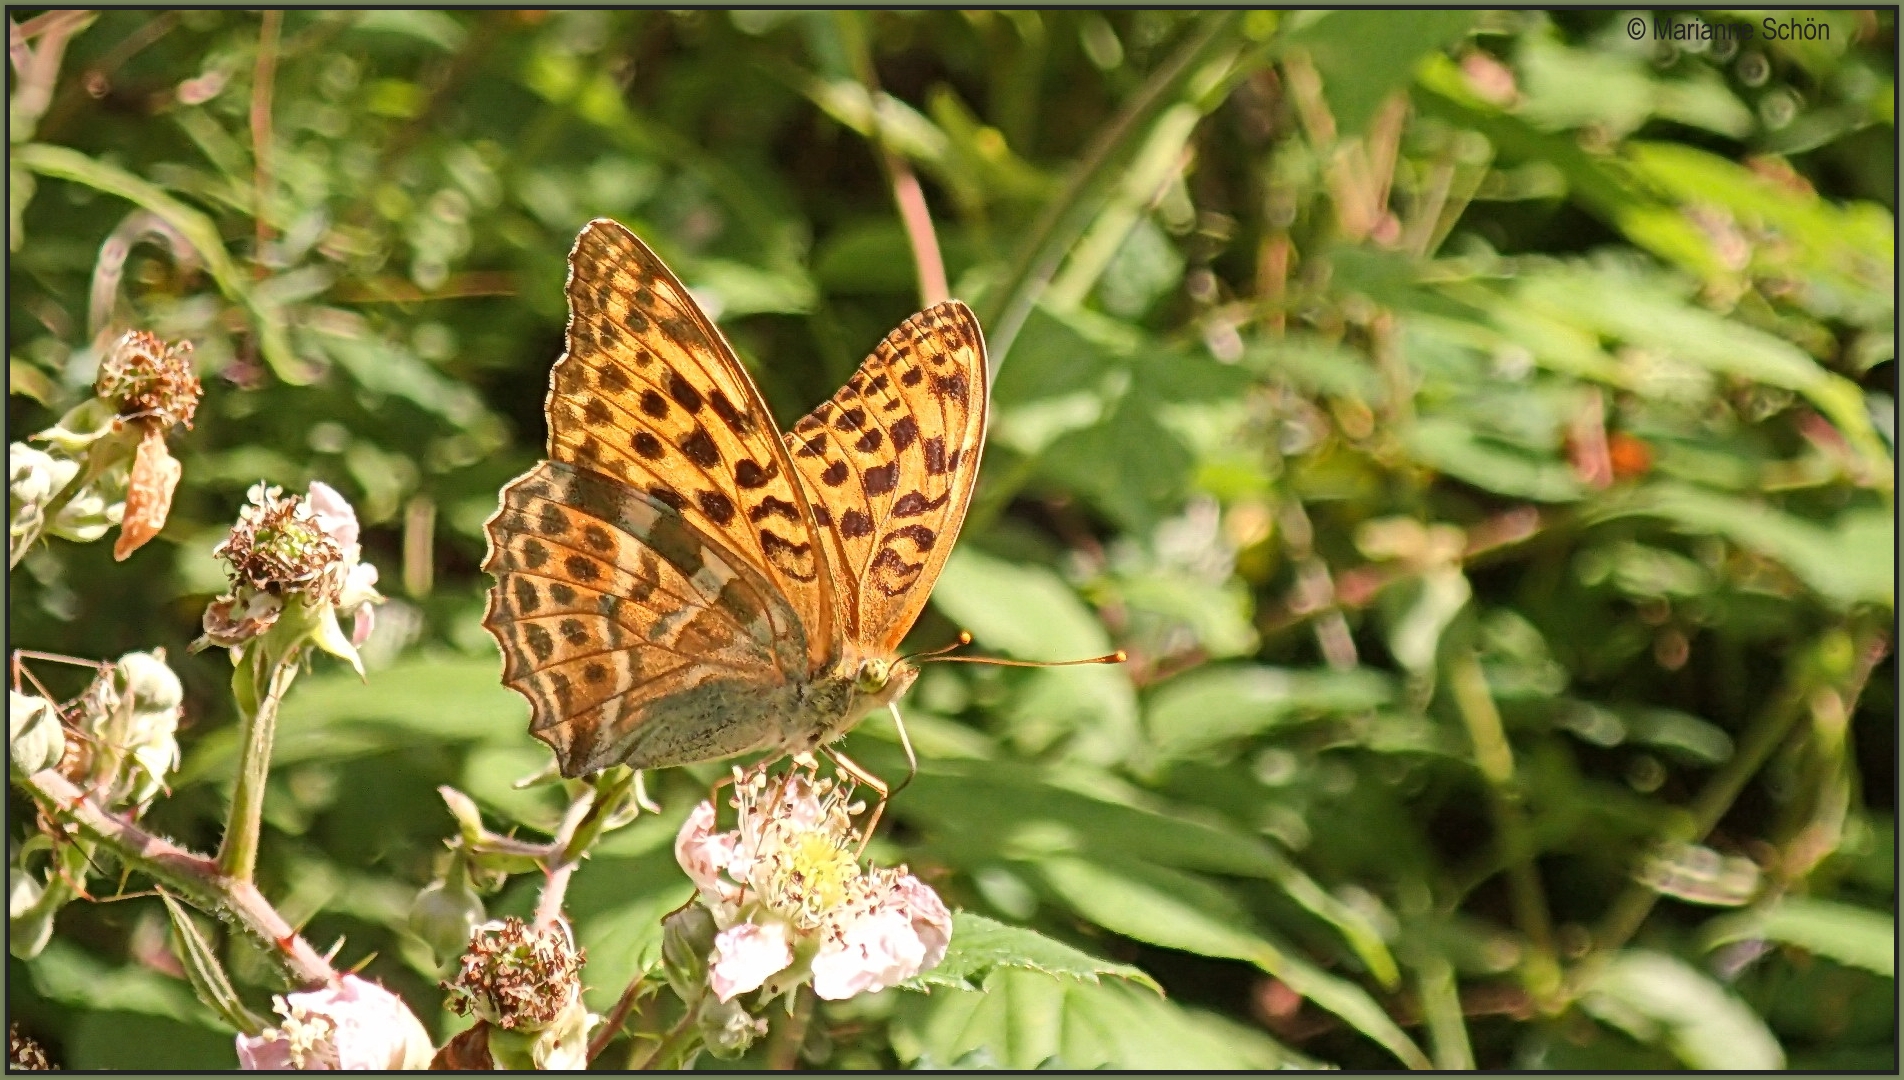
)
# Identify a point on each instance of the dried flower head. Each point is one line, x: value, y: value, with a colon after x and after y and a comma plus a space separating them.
x: 24, y: 1054
x: 517, y: 976
x: 288, y: 553
x: 144, y: 376
x: 354, y: 1024
x: 280, y: 545
x: 793, y: 903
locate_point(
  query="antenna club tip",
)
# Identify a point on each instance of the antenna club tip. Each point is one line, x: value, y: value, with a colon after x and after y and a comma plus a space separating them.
x: 965, y: 637
x: 1119, y: 656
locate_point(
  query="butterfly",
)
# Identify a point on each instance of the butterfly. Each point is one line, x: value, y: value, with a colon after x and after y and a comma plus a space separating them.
x: 679, y: 581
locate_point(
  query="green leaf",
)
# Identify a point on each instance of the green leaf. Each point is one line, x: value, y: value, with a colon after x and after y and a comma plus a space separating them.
x: 67, y: 974
x: 622, y: 943
x: 1848, y: 562
x: 1026, y: 1020
x: 1364, y: 56
x: 206, y: 973
x: 65, y: 164
x: 1658, y: 998
x: 1845, y: 933
x: 1149, y: 914
x: 980, y: 946
x: 1029, y: 613
x: 1456, y: 449
x: 1217, y: 704
x: 426, y: 698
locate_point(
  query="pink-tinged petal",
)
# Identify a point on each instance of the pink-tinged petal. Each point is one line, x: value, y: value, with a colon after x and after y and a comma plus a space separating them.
x: 745, y: 956
x: 258, y: 1053
x: 334, y: 514
x: 376, y: 1030
x: 361, y: 625
x: 354, y: 1024
x: 873, y: 952
x: 905, y: 933
x: 929, y: 917
x: 704, y: 853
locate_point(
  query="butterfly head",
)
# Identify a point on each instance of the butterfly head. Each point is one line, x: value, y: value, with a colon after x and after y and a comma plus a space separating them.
x: 879, y: 680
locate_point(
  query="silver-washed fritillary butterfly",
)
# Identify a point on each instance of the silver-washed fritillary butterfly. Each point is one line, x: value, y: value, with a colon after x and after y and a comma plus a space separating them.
x: 679, y: 581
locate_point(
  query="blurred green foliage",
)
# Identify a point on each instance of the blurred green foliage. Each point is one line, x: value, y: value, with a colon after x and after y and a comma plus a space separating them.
x: 1478, y: 428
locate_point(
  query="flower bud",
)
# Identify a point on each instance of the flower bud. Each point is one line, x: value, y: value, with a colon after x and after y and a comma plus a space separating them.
x: 143, y: 727
x: 687, y: 940
x: 35, y: 739
x: 728, y: 1029
x: 444, y: 915
x: 33, y: 476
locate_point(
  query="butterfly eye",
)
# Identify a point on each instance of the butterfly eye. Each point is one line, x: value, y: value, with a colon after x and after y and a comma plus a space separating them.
x: 873, y: 675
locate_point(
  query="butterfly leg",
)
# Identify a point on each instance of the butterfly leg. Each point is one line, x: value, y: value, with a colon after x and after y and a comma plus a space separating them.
x: 912, y: 759
x: 858, y: 774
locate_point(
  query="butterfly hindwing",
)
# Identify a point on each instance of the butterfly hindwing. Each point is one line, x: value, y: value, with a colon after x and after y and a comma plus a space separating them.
x: 650, y: 394
x: 613, y: 612
x: 889, y: 463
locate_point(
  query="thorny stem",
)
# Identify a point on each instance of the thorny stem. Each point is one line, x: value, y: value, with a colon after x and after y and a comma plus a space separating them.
x: 193, y: 876
x: 1468, y: 683
x: 617, y: 1016
x: 1767, y: 732
x: 562, y: 861
x: 581, y: 826
x: 258, y: 719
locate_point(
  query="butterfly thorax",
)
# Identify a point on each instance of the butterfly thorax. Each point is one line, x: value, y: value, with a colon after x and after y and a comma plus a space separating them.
x: 844, y: 693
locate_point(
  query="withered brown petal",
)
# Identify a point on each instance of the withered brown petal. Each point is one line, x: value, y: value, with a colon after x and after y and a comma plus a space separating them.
x: 155, y: 475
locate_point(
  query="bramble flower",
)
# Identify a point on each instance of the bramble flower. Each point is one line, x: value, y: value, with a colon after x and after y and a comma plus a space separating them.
x: 525, y: 982
x: 793, y: 905
x: 290, y: 551
x: 354, y: 1024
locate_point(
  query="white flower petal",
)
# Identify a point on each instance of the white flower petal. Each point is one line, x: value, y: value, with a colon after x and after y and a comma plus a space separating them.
x: 354, y: 1024
x: 745, y: 956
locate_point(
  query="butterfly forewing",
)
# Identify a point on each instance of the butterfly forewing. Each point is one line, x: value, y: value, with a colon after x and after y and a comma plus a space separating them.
x: 889, y: 465
x: 609, y: 604
x: 650, y: 394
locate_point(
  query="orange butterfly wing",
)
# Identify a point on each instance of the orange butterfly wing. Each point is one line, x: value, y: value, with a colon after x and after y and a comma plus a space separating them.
x: 890, y: 462
x: 651, y: 394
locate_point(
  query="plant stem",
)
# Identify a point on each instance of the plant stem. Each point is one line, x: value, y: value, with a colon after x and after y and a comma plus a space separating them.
x: 617, y: 1016
x: 194, y: 877
x: 1495, y: 757
x: 1066, y: 217
x: 1767, y: 732
x: 262, y: 78
x: 670, y: 1044
x: 783, y: 1052
x: 238, y: 853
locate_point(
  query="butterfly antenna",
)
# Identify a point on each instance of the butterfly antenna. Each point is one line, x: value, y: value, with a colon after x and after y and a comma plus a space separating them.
x: 1117, y: 657
x: 964, y: 640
